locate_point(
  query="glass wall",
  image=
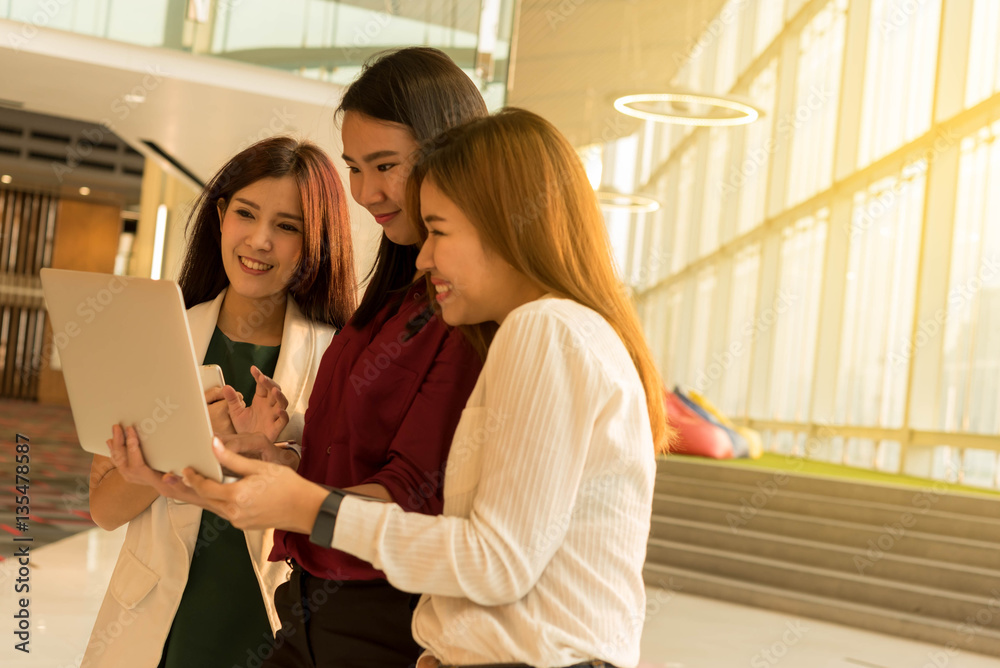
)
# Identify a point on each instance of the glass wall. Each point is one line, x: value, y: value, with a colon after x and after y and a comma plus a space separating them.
x: 970, y: 391
x: 793, y: 316
x: 319, y: 39
x: 880, y: 292
x: 899, y: 77
x: 836, y: 263
x: 817, y: 88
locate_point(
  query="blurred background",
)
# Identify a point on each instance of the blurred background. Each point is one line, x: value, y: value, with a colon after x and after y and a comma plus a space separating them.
x: 826, y: 274
x: 799, y: 194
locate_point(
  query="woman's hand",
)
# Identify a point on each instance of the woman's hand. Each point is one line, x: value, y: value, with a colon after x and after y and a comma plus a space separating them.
x: 268, y: 494
x: 131, y: 465
x: 258, y: 446
x: 218, y: 409
x: 266, y: 412
x: 127, y: 457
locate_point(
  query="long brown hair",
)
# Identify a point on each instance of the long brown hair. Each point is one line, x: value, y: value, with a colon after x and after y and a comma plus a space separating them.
x: 523, y: 186
x: 423, y: 89
x: 323, y: 284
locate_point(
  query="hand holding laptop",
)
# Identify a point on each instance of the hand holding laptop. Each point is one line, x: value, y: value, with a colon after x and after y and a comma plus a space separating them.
x: 126, y: 454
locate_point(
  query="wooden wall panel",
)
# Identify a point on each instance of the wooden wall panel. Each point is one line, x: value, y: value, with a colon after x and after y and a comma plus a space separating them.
x: 86, y: 239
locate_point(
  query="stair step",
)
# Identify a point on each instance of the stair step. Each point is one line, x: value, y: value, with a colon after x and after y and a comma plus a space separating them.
x: 870, y: 563
x: 749, y: 500
x: 973, y: 637
x: 933, y: 493
x: 894, y: 596
x: 877, y: 539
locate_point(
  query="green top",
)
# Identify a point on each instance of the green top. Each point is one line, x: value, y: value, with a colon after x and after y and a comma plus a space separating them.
x: 221, y: 620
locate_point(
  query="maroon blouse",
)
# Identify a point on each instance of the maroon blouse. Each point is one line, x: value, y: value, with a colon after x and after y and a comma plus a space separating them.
x: 383, y: 410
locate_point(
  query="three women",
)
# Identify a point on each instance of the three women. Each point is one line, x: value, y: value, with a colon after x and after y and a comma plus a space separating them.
x: 537, y: 558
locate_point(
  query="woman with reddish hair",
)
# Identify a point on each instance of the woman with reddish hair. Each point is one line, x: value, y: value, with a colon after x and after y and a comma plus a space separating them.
x: 268, y: 278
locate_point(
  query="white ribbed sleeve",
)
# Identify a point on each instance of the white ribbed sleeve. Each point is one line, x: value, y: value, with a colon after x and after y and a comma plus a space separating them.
x: 548, y: 490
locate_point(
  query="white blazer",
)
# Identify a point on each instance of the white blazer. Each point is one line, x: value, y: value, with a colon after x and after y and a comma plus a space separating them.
x: 152, y: 569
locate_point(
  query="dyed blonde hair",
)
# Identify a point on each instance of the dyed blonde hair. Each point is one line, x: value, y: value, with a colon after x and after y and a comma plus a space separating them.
x: 523, y: 186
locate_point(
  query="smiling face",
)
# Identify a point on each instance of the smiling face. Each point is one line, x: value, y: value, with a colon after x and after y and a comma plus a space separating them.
x: 379, y: 155
x: 473, y: 284
x: 262, y: 237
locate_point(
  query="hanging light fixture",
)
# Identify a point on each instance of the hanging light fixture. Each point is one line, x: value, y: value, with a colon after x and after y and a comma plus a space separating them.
x: 592, y: 157
x: 615, y: 201
x: 683, y: 109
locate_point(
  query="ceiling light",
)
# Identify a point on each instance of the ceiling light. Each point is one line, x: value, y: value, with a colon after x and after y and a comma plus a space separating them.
x: 6, y: 178
x: 623, y: 202
x: 723, y: 110
x: 132, y: 98
x: 159, y: 236
x: 84, y: 190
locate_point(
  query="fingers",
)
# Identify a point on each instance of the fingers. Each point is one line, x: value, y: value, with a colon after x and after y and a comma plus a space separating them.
x: 219, y: 415
x: 205, y: 488
x: 266, y: 387
x: 263, y: 382
x: 250, y: 445
x: 277, y: 397
x: 238, y: 464
x: 234, y: 398
x: 126, y: 453
x: 214, y: 394
x: 116, y: 447
x: 174, y: 487
x: 133, y: 451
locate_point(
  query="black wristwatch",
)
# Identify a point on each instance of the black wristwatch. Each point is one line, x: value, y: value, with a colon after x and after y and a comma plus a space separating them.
x: 326, y: 520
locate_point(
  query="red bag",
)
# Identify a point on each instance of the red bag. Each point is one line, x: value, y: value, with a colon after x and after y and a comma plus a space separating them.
x: 695, y: 435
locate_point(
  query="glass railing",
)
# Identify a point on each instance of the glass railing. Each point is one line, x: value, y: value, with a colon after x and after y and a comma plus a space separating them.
x: 328, y: 40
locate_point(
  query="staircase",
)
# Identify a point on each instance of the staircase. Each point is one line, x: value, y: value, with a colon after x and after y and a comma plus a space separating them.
x: 911, y: 562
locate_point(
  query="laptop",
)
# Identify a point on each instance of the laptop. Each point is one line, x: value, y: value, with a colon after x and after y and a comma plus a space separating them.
x: 127, y: 358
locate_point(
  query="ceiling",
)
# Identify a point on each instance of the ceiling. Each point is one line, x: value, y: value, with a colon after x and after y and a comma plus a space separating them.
x: 572, y: 58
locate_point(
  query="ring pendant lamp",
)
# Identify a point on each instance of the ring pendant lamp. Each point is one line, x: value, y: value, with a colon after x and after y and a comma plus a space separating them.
x: 626, y: 202
x: 725, y: 110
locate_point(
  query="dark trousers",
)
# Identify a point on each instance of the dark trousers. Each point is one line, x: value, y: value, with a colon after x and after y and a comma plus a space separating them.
x: 342, y: 624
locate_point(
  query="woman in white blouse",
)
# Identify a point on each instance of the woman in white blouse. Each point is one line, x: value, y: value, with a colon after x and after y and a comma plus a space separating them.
x: 537, y: 559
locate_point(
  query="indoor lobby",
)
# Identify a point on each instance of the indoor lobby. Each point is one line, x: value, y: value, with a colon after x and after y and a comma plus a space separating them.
x: 797, y: 195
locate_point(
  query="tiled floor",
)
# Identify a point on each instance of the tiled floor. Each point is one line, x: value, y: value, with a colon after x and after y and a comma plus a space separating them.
x: 57, y: 471
x: 68, y: 579
x: 69, y: 576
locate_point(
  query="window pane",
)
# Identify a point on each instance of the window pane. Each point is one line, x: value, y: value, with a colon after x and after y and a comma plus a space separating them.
x: 899, y: 76
x: 718, y: 155
x: 879, y: 300
x: 813, y: 123
x: 971, y: 375
x: 795, y: 315
x: 743, y: 330
x: 683, y: 223
x: 729, y: 41
x: 750, y: 178
x: 665, y: 328
x: 983, y: 77
x: 703, y: 296
x: 770, y: 17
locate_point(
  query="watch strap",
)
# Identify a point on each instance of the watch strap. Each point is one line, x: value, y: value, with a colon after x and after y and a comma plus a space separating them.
x: 326, y: 519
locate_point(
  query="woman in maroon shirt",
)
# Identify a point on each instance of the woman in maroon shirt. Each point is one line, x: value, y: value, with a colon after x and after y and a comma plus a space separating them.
x: 392, y: 384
